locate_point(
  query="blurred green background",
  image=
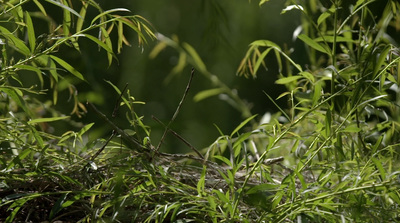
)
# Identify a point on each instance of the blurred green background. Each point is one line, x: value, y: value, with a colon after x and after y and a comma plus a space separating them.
x: 220, y: 31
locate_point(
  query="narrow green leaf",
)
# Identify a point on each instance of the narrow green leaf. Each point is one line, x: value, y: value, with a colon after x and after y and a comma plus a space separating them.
x: 223, y: 159
x: 66, y: 20
x: 108, y: 12
x: 222, y: 196
x: 68, y: 67
x: 120, y: 36
x: 286, y: 80
x: 325, y: 15
x: 85, y: 129
x: 201, y: 182
x: 380, y: 168
x: 30, y: 31
x: 262, y: 187
x: 262, y: 2
x: 108, y: 42
x: 308, y: 75
x: 196, y: 58
x: 331, y: 39
x: 207, y: 93
x: 265, y: 43
x: 82, y: 14
x: 312, y: 43
x: 381, y: 60
x: 15, y: 42
x: 291, y: 7
x: 58, y: 205
x: 119, y: 93
x: 260, y: 60
x: 59, y: 4
x: 46, y: 61
x: 242, y: 124
x: 53, y: 119
x: 16, y: 96
x: 98, y: 42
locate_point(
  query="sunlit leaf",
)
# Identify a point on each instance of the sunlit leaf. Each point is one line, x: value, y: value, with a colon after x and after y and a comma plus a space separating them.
x: 242, y: 124
x: 66, y: 7
x: 286, y: 80
x: 53, y: 119
x: 108, y: 12
x: 291, y: 7
x: 312, y: 43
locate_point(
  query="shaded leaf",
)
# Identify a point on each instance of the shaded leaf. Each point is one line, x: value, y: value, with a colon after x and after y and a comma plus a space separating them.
x: 68, y: 67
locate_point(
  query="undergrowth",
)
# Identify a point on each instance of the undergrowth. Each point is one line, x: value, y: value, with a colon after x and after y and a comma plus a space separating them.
x: 330, y: 156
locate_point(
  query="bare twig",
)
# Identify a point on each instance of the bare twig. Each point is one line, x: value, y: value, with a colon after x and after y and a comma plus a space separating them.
x: 177, y: 110
x: 118, y: 102
x: 127, y: 138
x: 100, y: 150
x: 181, y: 138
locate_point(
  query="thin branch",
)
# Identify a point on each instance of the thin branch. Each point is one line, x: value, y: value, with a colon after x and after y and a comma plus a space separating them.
x: 118, y: 102
x: 100, y: 150
x: 177, y: 110
x: 181, y: 138
x: 127, y: 138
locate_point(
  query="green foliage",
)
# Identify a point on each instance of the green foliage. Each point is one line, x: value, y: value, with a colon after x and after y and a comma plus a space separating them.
x: 331, y: 155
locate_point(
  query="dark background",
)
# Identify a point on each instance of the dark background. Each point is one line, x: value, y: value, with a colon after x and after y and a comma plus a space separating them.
x: 220, y: 31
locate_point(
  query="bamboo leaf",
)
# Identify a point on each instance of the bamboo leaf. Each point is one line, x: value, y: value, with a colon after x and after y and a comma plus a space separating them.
x: 108, y: 12
x: 30, y: 31
x: 223, y: 159
x: 107, y: 40
x: 196, y: 58
x: 98, y: 42
x: 260, y: 60
x: 82, y: 14
x: 66, y: 7
x: 16, y: 96
x: 201, y: 182
x: 15, y: 42
x: 58, y: 205
x: 312, y: 43
x: 242, y: 124
x: 262, y: 187
x: 286, y: 80
x: 207, y: 93
x: 380, y: 168
x: 68, y: 67
x: 53, y: 119
x: 325, y: 15
x: 291, y: 7
x: 40, y: 6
